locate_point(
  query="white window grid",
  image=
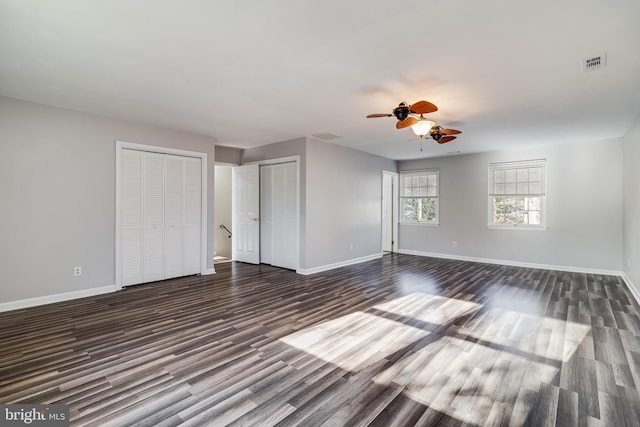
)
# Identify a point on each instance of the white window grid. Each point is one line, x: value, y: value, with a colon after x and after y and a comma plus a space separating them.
x: 522, y: 184
x: 423, y: 186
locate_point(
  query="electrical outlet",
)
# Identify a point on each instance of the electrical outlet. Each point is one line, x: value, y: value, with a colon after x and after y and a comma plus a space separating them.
x: 454, y: 244
x: 77, y: 271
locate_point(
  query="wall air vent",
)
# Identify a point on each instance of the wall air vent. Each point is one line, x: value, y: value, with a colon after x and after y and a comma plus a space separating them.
x: 596, y: 62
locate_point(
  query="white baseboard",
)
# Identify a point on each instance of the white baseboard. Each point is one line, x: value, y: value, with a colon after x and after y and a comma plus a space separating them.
x: 307, y: 271
x: 632, y: 288
x: 514, y: 263
x: 32, y: 302
x: 208, y: 271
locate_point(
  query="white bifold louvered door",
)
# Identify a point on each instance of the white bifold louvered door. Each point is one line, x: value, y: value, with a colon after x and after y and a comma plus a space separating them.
x: 279, y: 215
x: 131, y: 216
x: 192, y: 215
x: 152, y: 217
x: 161, y: 216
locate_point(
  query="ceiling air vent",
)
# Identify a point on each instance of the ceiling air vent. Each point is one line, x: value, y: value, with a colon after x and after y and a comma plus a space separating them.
x: 596, y: 62
x: 325, y: 136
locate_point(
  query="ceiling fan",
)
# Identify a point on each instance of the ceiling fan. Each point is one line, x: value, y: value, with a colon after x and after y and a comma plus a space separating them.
x: 413, y: 116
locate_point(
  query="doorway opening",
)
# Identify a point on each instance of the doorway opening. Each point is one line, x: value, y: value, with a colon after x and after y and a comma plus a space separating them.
x: 222, y: 213
x: 389, y: 212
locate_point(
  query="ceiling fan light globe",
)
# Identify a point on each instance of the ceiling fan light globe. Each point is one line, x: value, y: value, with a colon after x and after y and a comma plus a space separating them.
x: 423, y: 127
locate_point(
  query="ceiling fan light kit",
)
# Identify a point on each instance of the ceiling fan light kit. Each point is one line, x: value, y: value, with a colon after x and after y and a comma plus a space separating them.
x: 412, y: 116
x: 422, y: 127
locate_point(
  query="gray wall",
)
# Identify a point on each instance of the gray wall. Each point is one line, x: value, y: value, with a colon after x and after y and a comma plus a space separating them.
x: 584, y: 199
x: 57, y: 169
x: 229, y: 155
x: 344, y: 203
x: 631, y: 257
x: 222, y: 210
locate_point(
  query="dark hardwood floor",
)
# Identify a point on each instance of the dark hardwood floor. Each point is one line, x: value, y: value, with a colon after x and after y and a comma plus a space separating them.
x: 399, y: 341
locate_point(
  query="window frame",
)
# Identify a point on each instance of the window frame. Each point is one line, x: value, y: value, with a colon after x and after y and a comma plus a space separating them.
x: 436, y: 198
x: 542, y: 194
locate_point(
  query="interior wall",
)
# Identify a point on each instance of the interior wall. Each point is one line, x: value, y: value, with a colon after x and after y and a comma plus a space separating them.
x: 229, y: 155
x: 344, y: 203
x: 57, y: 169
x: 584, y: 199
x: 222, y: 210
x: 631, y: 245
x: 340, y: 199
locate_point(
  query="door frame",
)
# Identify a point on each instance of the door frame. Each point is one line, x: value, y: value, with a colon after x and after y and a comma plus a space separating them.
x: 276, y: 161
x: 394, y: 208
x: 122, y: 145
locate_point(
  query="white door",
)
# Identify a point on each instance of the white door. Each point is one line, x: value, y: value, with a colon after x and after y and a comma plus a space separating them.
x: 173, y: 250
x: 284, y: 233
x: 192, y: 215
x: 131, y: 219
x: 182, y: 193
x: 161, y: 202
x: 153, y: 217
x: 266, y: 213
x: 246, y: 213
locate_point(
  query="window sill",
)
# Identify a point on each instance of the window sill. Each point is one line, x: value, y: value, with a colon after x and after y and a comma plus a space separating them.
x: 518, y: 227
x: 430, y: 224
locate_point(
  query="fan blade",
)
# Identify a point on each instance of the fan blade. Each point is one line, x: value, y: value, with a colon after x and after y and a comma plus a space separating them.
x: 409, y: 121
x: 446, y: 139
x: 371, y: 116
x: 423, y: 107
x: 448, y: 131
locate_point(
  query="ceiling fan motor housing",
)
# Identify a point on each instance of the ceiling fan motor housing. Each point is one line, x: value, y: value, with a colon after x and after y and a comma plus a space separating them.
x: 401, y: 111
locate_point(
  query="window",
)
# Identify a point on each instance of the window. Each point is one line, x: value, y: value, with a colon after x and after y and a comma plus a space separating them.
x: 517, y: 194
x: 419, y: 197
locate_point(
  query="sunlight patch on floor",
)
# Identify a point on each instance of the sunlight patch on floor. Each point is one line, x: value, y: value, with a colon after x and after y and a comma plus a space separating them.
x: 495, y: 359
x: 354, y: 341
x: 543, y: 337
x: 432, y: 309
x: 495, y: 362
x: 464, y: 382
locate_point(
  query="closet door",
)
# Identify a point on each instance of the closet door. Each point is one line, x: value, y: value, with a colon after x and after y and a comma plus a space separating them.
x: 161, y: 216
x: 279, y: 215
x: 152, y: 217
x: 173, y: 230
x: 266, y: 213
x: 131, y: 216
x: 183, y: 213
x: 285, y: 216
x: 191, y: 214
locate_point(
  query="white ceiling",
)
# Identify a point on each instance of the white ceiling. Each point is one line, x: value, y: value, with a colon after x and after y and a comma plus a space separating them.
x: 248, y: 73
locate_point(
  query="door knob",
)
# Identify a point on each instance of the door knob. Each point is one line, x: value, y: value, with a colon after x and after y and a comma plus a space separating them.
x: 255, y: 219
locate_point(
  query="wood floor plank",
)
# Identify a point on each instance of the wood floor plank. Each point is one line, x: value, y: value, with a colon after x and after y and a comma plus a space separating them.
x: 398, y: 341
